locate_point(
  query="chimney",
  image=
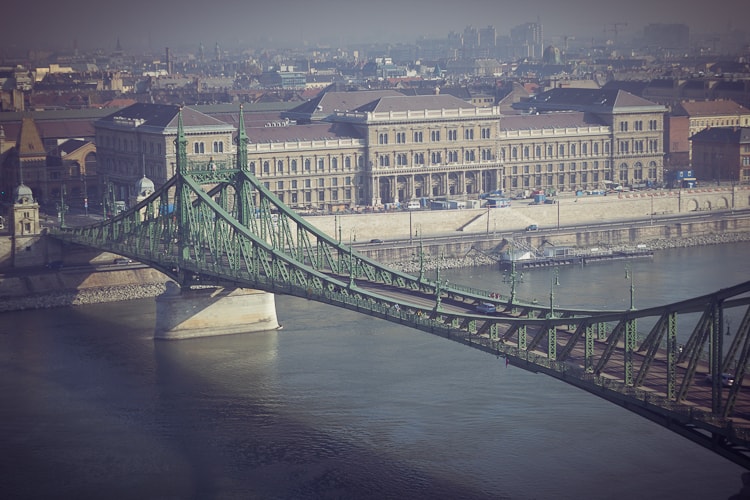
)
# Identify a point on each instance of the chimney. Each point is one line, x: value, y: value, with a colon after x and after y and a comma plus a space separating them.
x: 169, y: 63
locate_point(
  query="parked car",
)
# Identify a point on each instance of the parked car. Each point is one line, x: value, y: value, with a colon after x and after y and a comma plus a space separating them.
x: 532, y: 227
x: 376, y: 240
x: 727, y: 380
x: 122, y: 260
x: 486, y: 308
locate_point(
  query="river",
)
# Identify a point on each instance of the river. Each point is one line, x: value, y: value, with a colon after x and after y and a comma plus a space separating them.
x: 338, y: 405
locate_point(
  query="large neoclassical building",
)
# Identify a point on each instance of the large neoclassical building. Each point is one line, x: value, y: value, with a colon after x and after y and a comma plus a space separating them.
x: 370, y: 148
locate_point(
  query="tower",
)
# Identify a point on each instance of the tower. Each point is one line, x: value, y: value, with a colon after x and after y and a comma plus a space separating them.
x: 28, y: 249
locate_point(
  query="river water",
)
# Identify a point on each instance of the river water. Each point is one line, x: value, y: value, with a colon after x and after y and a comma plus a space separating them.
x: 338, y: 405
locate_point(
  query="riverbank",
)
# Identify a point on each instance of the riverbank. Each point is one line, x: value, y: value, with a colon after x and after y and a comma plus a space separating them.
x: 475, y: 258
x: 131, y: 290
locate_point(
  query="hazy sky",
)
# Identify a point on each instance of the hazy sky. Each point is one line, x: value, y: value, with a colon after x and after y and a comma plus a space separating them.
x: 158, y: 23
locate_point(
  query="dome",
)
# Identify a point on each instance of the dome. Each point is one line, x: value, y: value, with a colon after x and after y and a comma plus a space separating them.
x: 23, y: 195
x: 144, y: 187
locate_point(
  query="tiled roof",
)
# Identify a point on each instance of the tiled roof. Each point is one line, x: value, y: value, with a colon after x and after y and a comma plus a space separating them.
x: 308, y: 132
x: 67, y: 147
x: 29, y: 141
x: 711, y: 108
x: 328, y: 102
x: 580, y: 99
x: 162, y: 116
x: 726, y: 135
x: 550, y: 121
x: 413, y: 103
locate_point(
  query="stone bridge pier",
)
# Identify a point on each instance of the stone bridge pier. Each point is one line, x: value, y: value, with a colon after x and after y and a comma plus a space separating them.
x: 205, y: 312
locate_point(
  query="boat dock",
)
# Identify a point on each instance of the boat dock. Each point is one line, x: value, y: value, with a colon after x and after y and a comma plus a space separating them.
x: 581, y: 259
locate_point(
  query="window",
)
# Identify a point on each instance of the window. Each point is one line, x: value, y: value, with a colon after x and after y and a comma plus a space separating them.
x: 348, y: 163
x: 321, y: 182
x: 514, y: 153
x: 417, y: 136
x: 549, y: 150
x: 294, y: 184
x: 383, y: 138
x: 596, y: 148
x: 525, y: 151
x: 486, y: 133
x: 218, y: 147
x: 321, y: 164
x: 419, y: 158
x: 384, y: 161
x: 401, y: 160
x: 538, y: 151
x: 401, y: 137
x: 453, y: 135
x: 334, y: 163
x: 561, y: 150
x: 199, y: 148
x: 584, y: 149
x: 266, y: 168
x: 623, y: 126
x: 452, y: 156
x: 434, y: 135
x: 279, y: 166
x: 469, y: 134
x: 436, y: 157
x: 307, y: 164
x: 294, y: 166
x: 470, y: 155
x: 280, y: 185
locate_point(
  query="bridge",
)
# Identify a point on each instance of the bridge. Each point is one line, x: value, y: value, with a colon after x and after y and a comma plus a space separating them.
x: 222, y: 227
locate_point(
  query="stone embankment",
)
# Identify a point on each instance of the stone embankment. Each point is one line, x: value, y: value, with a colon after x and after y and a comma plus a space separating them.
x: 62, y: 298
x: 474, y: 258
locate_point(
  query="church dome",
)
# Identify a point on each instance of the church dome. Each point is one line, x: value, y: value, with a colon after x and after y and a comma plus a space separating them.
x: 144, y: 187
x: 23, y: 195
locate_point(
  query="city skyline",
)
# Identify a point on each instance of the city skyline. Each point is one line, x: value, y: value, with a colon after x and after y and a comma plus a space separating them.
x: 141, y: 25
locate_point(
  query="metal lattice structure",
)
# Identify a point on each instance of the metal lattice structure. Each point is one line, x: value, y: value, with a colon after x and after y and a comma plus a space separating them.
x: 222, y: 227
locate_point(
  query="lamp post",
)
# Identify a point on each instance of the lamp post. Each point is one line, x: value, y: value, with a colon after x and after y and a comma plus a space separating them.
x: 629, y: 275
x: 557, y: 202
x: 554, y: 281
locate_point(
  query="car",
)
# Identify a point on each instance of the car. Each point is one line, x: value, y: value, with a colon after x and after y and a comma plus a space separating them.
x: 727, y: 380
x: 486, y: 308
x: 376, y: 240
x: 122, y: 260
x: 532, y: 227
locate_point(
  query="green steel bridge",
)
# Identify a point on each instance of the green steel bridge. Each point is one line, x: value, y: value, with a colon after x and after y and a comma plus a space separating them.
x: 223, y: 227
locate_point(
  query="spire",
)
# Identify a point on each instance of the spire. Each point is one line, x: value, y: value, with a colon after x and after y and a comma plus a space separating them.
x: 242, y: 141
x: 181, y: 145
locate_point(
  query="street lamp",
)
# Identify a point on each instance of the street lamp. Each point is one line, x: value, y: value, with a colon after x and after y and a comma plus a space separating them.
x: 629, y: 275
x: 554, y: 281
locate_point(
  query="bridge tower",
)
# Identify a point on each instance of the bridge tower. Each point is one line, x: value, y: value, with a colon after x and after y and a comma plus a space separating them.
x: 184, y: 312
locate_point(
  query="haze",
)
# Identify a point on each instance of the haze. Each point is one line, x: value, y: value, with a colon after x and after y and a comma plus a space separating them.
x: 153, y: 24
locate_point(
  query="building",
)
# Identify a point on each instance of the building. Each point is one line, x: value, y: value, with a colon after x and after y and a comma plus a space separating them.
x: 722, y: 154
x: 711, y: 113
x: 630, y: 154
x: 139, y: 140
x: 369, y: 149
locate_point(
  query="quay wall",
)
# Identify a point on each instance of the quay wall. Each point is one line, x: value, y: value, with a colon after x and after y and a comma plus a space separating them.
x: 568, y: 210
